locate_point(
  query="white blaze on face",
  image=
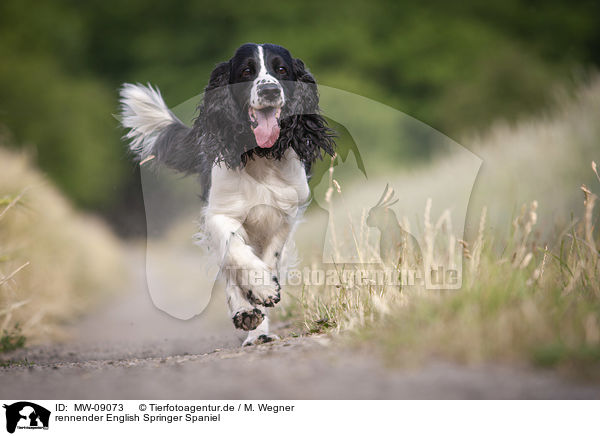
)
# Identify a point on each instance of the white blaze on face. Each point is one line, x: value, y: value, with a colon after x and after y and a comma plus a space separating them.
x: 264, y: 115
x: 263, y: 78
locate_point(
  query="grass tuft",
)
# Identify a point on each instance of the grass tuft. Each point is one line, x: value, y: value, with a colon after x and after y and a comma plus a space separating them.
x: 11, y: 340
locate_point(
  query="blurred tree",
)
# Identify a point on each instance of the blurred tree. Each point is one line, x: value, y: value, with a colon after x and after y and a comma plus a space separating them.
x: 455, y: 66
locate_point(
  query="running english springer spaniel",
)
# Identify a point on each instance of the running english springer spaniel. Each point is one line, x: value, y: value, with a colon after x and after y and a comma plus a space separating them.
x: 257, y: 132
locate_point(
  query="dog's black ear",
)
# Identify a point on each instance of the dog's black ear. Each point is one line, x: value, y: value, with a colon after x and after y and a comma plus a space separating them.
x: 220, y: 125
x: 304, y: 129
x: 216, y: 108
x: 306, y: 88
x: 219, y: 76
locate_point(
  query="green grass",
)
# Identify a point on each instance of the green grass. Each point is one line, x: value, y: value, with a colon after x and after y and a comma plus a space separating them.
x: 11, y: 340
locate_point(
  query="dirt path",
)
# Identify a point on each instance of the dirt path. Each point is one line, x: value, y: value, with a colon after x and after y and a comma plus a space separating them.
x: 131, y: 350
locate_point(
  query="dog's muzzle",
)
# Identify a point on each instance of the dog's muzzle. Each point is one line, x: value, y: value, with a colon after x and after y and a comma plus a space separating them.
x: 264, y: 112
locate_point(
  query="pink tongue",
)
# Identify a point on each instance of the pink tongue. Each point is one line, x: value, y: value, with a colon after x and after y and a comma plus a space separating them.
x: 267, y: 130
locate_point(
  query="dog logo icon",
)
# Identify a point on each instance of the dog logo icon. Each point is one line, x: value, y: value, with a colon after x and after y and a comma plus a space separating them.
x: 26, y: 415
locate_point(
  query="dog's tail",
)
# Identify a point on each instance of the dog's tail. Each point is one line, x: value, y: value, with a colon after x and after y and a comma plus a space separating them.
x: 154, y: 131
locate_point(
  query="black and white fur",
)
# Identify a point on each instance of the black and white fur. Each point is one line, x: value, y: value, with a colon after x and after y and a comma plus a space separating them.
x: 254, y: 195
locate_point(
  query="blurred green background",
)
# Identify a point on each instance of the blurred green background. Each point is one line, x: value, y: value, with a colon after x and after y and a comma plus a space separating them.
x: 457, y: 67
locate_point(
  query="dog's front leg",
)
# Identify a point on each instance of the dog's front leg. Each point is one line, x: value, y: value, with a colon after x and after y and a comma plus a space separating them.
x: 260, y: 335
x: 243, y: 269
x: 273, y: 252
x: 244, y: 315
x: 271, y: 256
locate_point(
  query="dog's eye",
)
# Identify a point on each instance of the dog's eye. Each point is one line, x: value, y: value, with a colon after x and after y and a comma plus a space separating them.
x: 281, y: 70
x: 246, y: 72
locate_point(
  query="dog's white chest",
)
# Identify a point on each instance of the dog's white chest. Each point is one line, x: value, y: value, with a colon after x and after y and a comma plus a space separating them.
x: 277, y: 184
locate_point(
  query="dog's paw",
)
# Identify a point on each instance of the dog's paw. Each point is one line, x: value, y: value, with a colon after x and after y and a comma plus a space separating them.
x: 248, y: 319
x: 261, y: 339
x: 265, y: 294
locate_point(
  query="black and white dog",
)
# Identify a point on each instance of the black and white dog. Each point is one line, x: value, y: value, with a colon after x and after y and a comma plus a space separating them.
x: 257, y: 132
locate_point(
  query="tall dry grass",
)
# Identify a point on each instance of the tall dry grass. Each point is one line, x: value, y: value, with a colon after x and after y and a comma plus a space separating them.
x: 54, y: 261
x: 531, y: 270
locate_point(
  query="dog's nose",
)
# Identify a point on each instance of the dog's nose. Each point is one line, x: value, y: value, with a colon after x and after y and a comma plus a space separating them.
x: 269, y: 91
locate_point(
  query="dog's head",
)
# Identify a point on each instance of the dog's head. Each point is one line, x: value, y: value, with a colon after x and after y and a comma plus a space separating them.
x: 261, y: 102
x: 266, y: 70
